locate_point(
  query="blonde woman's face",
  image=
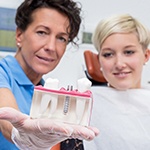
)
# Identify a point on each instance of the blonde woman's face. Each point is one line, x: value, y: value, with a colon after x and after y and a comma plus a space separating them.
x: 122, y: 59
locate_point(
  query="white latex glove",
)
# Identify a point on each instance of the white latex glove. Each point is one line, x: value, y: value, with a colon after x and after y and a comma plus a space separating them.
x: 42, y: 134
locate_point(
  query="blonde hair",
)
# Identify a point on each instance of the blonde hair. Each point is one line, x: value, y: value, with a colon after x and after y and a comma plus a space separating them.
x: 120, y: 24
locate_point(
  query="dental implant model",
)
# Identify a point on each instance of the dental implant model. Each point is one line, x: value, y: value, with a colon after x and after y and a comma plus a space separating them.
x: 65, y: 105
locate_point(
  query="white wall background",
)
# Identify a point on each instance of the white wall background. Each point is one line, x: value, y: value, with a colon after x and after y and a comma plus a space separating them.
x: 72, y: 64
x: 10, y: 3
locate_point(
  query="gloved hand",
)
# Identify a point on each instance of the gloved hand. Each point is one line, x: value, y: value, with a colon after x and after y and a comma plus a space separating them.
x: 42, y: 134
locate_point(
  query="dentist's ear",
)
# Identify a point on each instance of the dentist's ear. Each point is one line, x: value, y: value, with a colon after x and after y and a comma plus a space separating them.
x: 18, y: 37
x: 18, y: 45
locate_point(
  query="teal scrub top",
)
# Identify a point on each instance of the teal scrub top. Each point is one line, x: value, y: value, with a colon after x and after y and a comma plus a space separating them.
x: 13, y: 77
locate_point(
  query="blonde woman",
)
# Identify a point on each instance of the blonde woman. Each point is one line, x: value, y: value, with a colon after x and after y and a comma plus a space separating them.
x: 121, y: 110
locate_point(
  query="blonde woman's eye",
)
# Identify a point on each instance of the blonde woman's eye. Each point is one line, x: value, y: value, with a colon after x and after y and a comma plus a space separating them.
x: 129, y: 52
x: 106, y: 55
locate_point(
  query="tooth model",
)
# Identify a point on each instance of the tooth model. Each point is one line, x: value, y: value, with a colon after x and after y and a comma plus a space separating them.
x: 83, y: 105
x: 65, y: 105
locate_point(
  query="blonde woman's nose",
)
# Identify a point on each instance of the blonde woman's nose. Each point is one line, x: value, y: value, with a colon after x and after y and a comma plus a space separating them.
x: 120, y: 62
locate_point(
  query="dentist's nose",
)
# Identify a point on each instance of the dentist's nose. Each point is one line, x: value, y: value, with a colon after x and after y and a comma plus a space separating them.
x: 50, y: 44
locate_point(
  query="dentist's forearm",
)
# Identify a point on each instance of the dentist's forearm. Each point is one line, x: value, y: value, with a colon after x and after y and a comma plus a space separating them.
x: 6, y: 129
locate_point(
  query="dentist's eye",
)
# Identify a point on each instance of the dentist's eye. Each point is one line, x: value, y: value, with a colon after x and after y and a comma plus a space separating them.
x: 62, y: 39
x: 41, y: 33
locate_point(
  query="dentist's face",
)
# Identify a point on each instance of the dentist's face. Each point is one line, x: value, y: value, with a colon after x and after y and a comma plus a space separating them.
x: 122, y: 59
x: 43, y: 43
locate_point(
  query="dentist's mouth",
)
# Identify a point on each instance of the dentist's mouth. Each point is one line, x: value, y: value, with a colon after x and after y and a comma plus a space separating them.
x: 45, y: 59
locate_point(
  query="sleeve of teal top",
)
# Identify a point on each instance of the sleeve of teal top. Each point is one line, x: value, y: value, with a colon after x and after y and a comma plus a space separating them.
x: 5, y: 81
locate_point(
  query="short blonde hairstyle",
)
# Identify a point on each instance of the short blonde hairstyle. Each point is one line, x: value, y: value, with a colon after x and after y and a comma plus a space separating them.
x: 120, y: 24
